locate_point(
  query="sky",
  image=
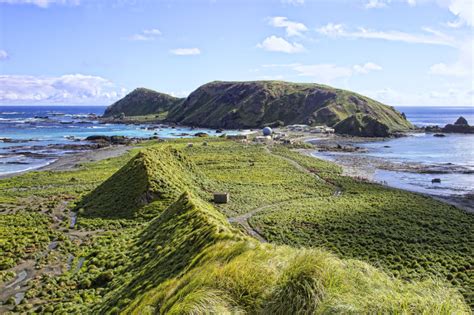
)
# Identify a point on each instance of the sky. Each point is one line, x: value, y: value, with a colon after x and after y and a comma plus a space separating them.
x: 92, y: 52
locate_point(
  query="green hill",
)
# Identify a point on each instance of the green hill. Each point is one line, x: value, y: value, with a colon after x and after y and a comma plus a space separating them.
x: 141, y: 102
x: 259, y: 103
x: 254, y: 104
x: 153, y: 175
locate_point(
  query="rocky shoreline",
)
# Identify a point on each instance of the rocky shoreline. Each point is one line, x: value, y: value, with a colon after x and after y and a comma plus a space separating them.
x: 364, y: 167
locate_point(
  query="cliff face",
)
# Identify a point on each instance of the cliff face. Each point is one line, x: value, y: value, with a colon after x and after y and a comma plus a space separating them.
x: 141, y: 102
x: 260, y: 103
x: 254, y: 104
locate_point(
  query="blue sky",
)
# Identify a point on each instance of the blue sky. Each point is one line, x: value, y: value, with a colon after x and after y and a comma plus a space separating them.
x: 84, y: 52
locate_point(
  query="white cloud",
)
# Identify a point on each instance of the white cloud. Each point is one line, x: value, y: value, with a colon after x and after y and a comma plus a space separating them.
x: 367, y: 67
x: 70, y: 89
x: 278, y: 44
x: 324, y: 73
x: 456, y: 70
x: 293, y: 2
x: 42, y: 3
x: 185, y: 51
x: 327, y: 73
x: 449, y: 95
x: 3, y: 55
x: 180, y: 94
x: 430, y: 36
x: 292, y: 28
x: 376, y: 4
x: 463, y: 9
x: 462, y: 67
x: 145, y: 35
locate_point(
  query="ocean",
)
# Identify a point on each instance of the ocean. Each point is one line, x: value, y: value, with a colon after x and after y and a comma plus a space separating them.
x: 450, y: 158
x: 35, y: 135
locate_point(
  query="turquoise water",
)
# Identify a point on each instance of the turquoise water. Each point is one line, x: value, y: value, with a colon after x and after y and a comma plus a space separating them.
x: 449, y: 158
x: 34, y: 133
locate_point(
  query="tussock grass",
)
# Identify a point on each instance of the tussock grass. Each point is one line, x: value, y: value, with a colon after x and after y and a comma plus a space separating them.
x: 179, y: 255
x: 228, y: 273
x: 154, y: 175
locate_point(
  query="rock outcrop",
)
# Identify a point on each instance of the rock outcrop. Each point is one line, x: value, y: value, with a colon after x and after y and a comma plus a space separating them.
x: 460, y: 126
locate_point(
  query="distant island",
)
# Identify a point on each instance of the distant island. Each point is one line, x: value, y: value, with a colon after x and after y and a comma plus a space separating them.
x: 256, y: 104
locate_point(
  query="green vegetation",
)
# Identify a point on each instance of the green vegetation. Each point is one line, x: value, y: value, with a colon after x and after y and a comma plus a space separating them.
x: 257, y: 103
x: 142, y: 102
x: 362, y: 126
x: 176, y: 253
x: 21, y: 235
x: 153, y: 175
x: 254, y: 104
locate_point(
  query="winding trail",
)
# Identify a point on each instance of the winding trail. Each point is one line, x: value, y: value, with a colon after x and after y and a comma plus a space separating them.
x: 243, y: 219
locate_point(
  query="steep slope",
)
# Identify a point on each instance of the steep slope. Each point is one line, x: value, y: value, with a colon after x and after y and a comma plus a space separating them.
x: 141, y: 102
x: 257, y: 103
x: 156, y: 175
x: 189, y: 260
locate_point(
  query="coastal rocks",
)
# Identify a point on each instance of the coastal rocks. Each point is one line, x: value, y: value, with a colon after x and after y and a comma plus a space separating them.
x: 110, y: 139
x: 439, y: 135
x: 460, y: 126
x: 9, y: 140
x: 341, y: 148
x: 436, y: 129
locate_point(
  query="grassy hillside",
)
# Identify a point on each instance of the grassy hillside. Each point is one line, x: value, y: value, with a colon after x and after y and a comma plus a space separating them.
x: 153, y: 175
x: 259, y: 103
x: 141, y: 102
x: 186, y: 257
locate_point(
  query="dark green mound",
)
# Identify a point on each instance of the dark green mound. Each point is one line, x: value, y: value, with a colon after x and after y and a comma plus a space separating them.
x: 259, y: 103
x: 157, y: 175
x: 362, y: 126
x: 142, y: 102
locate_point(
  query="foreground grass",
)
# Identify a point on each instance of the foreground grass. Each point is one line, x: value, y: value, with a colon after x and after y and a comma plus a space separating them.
x: 188, y: 256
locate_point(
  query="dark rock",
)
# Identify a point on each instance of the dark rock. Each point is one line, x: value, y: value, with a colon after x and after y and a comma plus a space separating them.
x: 440, y: 135
x: 461, y: 121
x: 436, y: 181
x: 98, y: 138
x: 201, y: 134
x: 460, y: 126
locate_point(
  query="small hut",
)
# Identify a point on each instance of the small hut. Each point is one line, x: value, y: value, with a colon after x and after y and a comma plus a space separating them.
x: 221, y: 197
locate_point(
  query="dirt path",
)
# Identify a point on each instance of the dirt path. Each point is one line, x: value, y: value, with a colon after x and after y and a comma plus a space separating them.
x: 243, y: 219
